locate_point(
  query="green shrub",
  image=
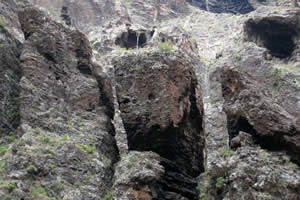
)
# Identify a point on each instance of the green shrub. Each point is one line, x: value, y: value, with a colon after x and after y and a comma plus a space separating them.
x: 87, y: 148
x: 220, y: 182
x: 31, y: 169
x: 63, y: 138
x: 109, y: 195
x: 3, y: 149
x: 165, y: 46
x: 132, y: 161
x: 202, y: 196
x: 126, y: 3
x: 10, y: 138
x: 21, y: 142
x: 292, y: 165
x: 149, y: 164
x: 14, y: 114
x: 11, y: 187
x: 2, y: 21
x: 40, y: 193
x: 77, y: 183
x: 226, y: 152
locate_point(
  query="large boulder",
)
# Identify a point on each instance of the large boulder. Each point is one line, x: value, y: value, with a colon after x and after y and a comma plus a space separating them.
x: 161, y: 108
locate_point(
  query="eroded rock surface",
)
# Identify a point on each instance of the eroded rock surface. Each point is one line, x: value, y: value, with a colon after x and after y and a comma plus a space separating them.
x: 173, y: 100
x: 162, y: 112
x: 278, y: 32
x: 221, y: 6
x: 65, y: 136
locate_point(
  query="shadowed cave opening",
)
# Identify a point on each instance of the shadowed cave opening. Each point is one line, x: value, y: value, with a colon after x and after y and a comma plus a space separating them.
x: 276, y: 36
x: 181, y: 150
x: 65, y: 15
x: 274, y: 143
x: 131, y: 40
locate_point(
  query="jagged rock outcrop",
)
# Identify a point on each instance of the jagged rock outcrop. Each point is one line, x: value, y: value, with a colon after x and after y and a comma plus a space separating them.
x: 221, y: 6
x: 162, y: 112
x: 10, y: 49
x: 252, y: 173
x: 173, y: 100
x: 87, y: 14
x: 84, y: 13
x: 9, y: 78
x: 260, y: 101
x: 137, y: 175
x: 278, y: 31
x: 250, y: 110
x: 66, y: 147
x: 266, y: 103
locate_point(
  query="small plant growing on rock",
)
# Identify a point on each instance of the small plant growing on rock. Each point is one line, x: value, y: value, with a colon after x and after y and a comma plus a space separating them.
x: 202, y: 196
x: 109, y: 195
x: 7, y: 185
x: 10, y: 138
x: 132, y: 161
x: 292, y: 165
x: 149, y: 164
x: 3, y: 149
x: 39, y: 193
x: 11, y: 187
x: 2, y: 21
x: 166, y: 46
x: 126, y: 3
x: 31, y: 169
x: 87, y: 148
x: 226, y: 152
x: 58, y: 186
x: 77, y: 183
x: 220, y: 182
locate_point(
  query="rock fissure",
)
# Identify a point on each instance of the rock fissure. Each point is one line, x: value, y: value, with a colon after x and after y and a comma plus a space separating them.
x: 133, y: 39
x: 240, y: 118
x: 171, y: 131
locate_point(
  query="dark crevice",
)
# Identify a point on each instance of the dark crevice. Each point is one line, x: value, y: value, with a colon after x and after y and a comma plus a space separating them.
x: 181, y: 155
x: 237, y: 124
x: 84, y: 69
x: 132, y: 39
x: 274, y: 143
x: 106, y: 96
x: 176, y: 182
x: 105, y: 100
x: 151, y: 96
x: 10, y: 76
x: 65, y: 16
x: 272, y: 34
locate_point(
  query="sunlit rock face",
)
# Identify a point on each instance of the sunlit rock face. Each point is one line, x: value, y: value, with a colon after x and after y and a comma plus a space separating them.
x: 224, y: 6
x: 84, y: 13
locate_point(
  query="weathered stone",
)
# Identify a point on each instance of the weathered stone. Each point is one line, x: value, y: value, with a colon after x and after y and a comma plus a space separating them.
x: 66, y: 138
x: 137, y: 175
x: 277, y: 31
x: 213, y: 94
x: 221, y: 6
x: 158, y: 103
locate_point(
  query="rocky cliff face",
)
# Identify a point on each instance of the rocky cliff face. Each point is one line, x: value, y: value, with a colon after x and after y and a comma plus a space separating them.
x: 162, y: 100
